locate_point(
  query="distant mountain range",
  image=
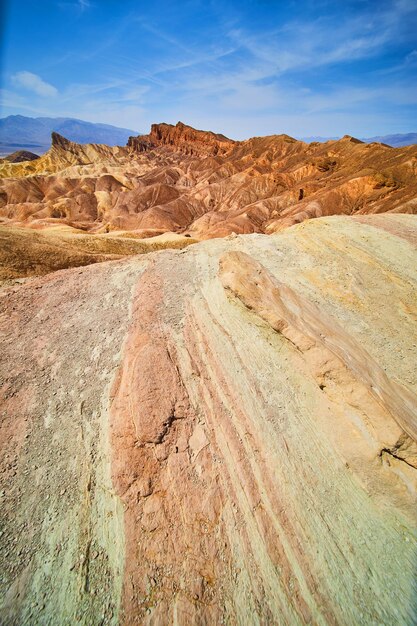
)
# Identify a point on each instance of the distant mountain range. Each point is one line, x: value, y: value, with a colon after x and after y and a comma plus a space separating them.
x: 18, y: 132
x: 396, y: 141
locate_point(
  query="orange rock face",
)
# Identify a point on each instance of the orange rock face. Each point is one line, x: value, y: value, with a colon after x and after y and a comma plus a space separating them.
x: 183, y: 139
x: 200, y: 183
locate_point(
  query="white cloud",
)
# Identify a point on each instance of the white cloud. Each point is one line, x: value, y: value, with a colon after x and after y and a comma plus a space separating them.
x: 34, y: 83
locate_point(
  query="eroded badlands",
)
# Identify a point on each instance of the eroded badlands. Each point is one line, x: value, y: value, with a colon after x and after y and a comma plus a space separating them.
x: 204, y: 185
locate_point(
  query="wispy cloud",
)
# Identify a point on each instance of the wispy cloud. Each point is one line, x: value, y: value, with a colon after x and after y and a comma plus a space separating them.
x: 33, y: 82
x: 80, y: 5
x: 84, y: 4
x: 299, y: 45
x: 232, y: 66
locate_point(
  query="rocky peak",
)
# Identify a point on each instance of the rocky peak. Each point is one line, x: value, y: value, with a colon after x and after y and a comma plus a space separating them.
x: 350, y: 139
x: 182, y: 138
x: 59, y: 141
x: 20, y: 156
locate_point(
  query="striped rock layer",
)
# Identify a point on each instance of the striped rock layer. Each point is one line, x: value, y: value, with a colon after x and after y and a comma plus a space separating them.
x: 223, y: 434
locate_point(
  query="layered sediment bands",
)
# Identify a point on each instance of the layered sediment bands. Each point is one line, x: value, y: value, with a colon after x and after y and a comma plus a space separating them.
x: 281, y: 489
x: 307, y: 327
x: 62, y: 541
x: 184, y: 139
x: 261, y: 468
x: 163, y: 472
x: 203, y: 184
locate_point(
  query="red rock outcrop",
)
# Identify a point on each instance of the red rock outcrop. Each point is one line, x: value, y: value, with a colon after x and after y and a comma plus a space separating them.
x: 184, y: 139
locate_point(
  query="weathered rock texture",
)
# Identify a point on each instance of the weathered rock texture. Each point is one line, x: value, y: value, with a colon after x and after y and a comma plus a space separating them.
x: 221, y: 434
x: 182, y: 138
x: 201, y: 183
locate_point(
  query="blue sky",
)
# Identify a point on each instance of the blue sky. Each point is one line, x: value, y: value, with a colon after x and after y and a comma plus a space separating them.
x: 243, y: 68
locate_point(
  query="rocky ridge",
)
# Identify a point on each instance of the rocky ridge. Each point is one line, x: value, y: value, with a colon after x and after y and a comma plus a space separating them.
x: 184, y: 139
x: 178, y: 179
x: 19, y: 132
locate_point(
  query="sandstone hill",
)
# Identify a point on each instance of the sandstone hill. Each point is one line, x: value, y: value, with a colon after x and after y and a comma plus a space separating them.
x: 182, y: 138
x: 21, y: 155
x: 178, y: 179
x: 224, y: 434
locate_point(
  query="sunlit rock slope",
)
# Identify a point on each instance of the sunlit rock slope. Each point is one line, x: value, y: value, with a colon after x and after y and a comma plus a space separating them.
x: 219, y: 435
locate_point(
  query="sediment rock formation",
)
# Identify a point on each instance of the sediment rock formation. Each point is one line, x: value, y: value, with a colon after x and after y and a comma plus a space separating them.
x: 21, y: 155
x: 184, y: 139
x: 221, y: 434
x: 203, y: 184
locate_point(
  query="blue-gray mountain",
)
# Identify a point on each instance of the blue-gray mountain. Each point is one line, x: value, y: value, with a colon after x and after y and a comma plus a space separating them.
x: 18, y: 132
x: 405, y: 139
x: 396, y: 141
